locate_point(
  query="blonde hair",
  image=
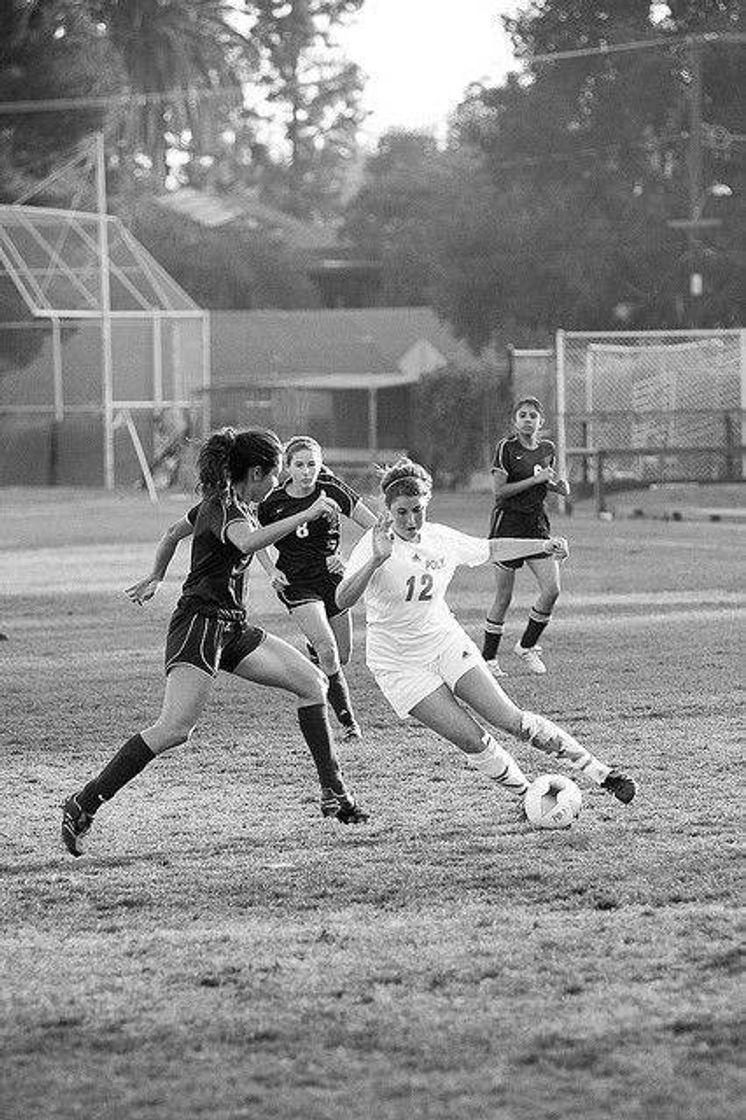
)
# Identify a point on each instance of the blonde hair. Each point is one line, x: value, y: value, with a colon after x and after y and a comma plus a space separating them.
x: 404, y: 478
x: 301, y: 443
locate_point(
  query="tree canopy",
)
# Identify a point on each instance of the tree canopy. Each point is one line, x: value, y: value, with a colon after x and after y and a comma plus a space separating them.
x: 550, y: 204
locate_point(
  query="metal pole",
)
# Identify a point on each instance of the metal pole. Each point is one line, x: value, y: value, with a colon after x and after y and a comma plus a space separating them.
x: 695, y: 182
x: 559, y: 350
x: 59, y: 398
x: 107, y: 374
x: 372, y: 419
x: 206, y: 374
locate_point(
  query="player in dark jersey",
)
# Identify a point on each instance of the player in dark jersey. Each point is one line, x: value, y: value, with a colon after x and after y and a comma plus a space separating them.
x: 209, y: 628
x: 311, y: 567
x: 522, y: 473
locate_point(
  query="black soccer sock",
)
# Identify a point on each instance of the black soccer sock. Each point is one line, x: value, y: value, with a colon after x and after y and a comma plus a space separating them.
x: 314, y: 724
x: 339, y: 698
x: 126, y: 764
x: 493, y: 632
x: 537, y: 623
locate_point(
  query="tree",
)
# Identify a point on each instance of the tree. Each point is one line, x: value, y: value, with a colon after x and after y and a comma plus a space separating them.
x: 583, y: 162
x: 390, y: 218
x: 50, y: 49
x: 315, y: 94
x: 550, y: 205
x: 222, y: 268
x: 181, y: 49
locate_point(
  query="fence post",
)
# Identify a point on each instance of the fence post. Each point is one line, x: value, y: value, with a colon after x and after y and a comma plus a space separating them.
x: 598, y: 482
x: 559, y: 350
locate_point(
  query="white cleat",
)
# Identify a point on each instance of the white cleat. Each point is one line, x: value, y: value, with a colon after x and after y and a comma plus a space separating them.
x: 494, y: 667
x: 530, y: 658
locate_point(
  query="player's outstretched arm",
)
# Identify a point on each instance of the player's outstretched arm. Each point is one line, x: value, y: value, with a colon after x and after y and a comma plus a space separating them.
x: 363, y: 516
x: 146, y: 588
x: 249, y: 539
x: 515, y: 548
x: 276, y: 577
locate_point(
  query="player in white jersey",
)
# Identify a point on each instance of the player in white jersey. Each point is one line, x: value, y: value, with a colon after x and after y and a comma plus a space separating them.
x: 423, y: 661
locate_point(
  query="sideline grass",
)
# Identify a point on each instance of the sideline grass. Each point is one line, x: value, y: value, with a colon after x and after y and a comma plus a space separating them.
x: 224, y: 952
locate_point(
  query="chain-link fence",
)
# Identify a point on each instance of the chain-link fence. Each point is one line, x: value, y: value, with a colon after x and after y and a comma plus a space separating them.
x: 656, y: 406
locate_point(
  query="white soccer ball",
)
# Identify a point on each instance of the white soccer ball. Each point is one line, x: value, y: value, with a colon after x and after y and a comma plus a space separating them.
x: 552, y: 801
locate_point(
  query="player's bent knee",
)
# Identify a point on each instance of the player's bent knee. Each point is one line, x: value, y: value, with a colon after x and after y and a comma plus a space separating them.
x: 175, y: 737
x: 312, y: 687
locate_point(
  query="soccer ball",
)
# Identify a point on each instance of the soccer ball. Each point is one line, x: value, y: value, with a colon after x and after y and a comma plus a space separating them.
x: 552, y: 801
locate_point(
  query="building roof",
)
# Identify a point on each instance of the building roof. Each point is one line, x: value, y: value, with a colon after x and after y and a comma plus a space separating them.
x: 242, y: 208
x: 336, y: 348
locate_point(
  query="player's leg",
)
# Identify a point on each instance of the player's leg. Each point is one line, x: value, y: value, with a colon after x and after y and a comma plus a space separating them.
x: 320, y: 633
x: 547, y: 575
x: 186, y: 693
x: 483, y: 694
x: 494, y: 624
x: 314, y: 625
x: 442, y: 713
x: 277, y: 664
x: 341, y: 624
x: 339, y: 690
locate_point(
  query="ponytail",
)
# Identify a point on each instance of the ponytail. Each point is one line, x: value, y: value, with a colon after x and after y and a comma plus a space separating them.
x: 227, y: 456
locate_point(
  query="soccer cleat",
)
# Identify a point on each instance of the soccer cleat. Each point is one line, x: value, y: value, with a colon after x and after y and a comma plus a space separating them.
x: 351, y: 732
x: 530, y: 658
x: 621, y: 785
x: 75, y: 824
x: 342, y: 806
x: 494, y: 667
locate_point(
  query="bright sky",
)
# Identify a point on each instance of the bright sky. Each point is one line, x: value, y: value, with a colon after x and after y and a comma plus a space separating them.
x: 420, y: 55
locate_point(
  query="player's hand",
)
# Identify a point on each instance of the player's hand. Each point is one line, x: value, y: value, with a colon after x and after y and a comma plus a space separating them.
x: 383, y: 540
x: 545, y: 474
x: 562, y: 486
x: 145, y: 589
x: 277, y: 578
x: 335, y: 564
x: 323, y: 507
x: 557, y: 547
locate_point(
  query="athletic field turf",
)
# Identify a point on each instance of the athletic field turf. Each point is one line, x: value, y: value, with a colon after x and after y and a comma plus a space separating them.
x: 224, y: 952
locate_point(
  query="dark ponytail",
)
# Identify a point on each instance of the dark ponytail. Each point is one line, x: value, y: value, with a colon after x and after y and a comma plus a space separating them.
x: 227, y: 456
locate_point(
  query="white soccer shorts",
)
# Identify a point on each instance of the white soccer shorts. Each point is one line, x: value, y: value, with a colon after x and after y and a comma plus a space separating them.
x: 406, y: 686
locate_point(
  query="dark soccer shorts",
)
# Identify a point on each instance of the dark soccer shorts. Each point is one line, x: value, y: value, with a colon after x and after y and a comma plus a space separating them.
x: 320, y: 590
x: 208, y: 642
x: 534, y: 526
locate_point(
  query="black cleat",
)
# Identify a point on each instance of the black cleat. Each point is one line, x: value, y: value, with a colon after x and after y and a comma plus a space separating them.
x: 342, y: 806
x: 75, y: 824
x: 623, y: 787
x: 351, y: 732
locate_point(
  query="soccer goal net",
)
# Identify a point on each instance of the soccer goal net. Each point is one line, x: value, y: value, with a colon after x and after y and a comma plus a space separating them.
x: 657, y: 406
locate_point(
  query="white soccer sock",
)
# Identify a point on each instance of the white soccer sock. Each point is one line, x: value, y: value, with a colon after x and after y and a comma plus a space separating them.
x: 548, y: 737
x: 496, y: 763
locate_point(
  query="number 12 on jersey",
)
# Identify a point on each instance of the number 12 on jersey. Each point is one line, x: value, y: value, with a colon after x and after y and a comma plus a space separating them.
x: 425, y: 589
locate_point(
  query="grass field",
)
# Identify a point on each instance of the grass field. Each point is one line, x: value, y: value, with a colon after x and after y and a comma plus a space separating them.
x: 223, y: 952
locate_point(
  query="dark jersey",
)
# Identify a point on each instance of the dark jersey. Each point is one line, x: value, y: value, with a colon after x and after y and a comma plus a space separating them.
x: 520, y: 462
x: 302, y: 554
x: 215, y: 584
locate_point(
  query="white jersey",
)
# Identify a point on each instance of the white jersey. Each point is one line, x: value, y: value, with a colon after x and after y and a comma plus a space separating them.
x: 408, y: 619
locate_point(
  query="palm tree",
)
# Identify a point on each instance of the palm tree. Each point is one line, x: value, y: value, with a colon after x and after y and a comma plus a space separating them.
x: 191, y: 51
